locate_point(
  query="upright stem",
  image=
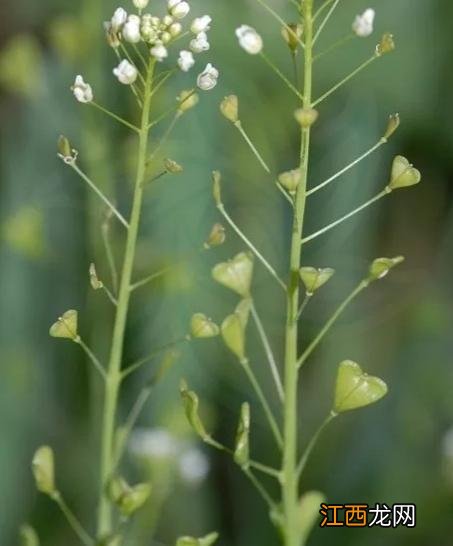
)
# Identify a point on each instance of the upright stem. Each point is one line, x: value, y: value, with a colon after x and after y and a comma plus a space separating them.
x: 113, y: 378
x: 290, y: 482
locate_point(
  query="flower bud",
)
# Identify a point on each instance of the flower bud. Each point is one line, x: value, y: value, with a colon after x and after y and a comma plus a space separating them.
x: 126, y: 72
x: 386, y: 45
x: 191, y: 403
x: 290, y: 180
x: 292, y: 34
x: 229, y: 108
x: 175, y: 29
x: 216, y: 237
x: 200, y: 24
x: 403, y: 174
x: 82, y: 91
x: 134, y: 498
x: 216, y: 188
x: 28, y: 536
x: 140, y: 4
x: 179, y: 9
x: 131, y: 29
x: 381, y: 266
x: 187, y: 100
x: 249, y: 39
x: 43, y: 470
x: 313, y: 278
x: 233, y: 334
x: 203, y: 327
x: 118, y: 19
x: 236, y: 274
x: 64, y: 147
x: 355, y: 389
x: 66, y: 326
x: 242, y: 448
x: 111, y: 36
x: 306, y: 117
x: 392, y: 126
x: 96, y: 284
x: 208, y: 540
x: 159, y: 52
x: 172, y: 167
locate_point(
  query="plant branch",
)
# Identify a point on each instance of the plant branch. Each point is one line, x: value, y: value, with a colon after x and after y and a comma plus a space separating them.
x: 312, y: 444
x: 276, y: 16
x: 281, y: 75
x: 245, y: 136
x: 95, y: 361
x: 115, y: 117
x: 325, y: 20
x: 72, y: 520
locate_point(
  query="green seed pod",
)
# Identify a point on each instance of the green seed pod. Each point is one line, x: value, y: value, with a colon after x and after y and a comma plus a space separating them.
x: 134, y: 498
x: 355, y: 389
x: 208, y: 540
x: 216, y: 189
x: 313, y: 278
x: 386, y: 45
x: 392, y: 126
x: 96, y: 284
x: 191, y: 403
x: 187, y: 99
x: 236, y: 274
x: 203, y: 327
x: 290, y: 180
x: 230, y: 108
x: 242, y: 449
x: 306, y: 117
x: 292, y: 34
x: 64, y: 147
x: 216, y: 237
x: 233, y: 334
x: 116, y: 488
x: 43, y: 470
x: 309, y: 513
x: 172, y: 167
x: 111, y: 540
x: 28, y: 536
x: 403, y: 174
x: 242, y: 310
x: 381, y: 266
x: 66, y: 326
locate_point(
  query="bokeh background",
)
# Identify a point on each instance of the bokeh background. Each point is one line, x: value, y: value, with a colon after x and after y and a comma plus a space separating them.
x: 400, y: 450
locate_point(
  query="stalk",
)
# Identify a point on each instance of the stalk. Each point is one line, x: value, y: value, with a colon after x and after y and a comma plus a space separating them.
x: 290, y: 492
x: 113, y: 377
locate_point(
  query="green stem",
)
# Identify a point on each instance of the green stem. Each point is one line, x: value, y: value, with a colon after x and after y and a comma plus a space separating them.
x: 303, y: 305
x: 113, y: 379
x: 245, y: 136
x: 109, y: 253
x: 348, y: 167
x: 312, y: 444
x: 267, y: 410
x: 381, y: 194
x: 345, y: 80
x: 331, y: 322
x: 335, y: 45
x: 99, y: 367
x: 72, y: 520
x: 115, y: 117
x: 259, y: 487
x: 290, y: 494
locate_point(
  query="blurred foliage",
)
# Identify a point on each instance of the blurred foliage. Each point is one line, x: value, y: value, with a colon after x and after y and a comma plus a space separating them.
x: 397, y: 451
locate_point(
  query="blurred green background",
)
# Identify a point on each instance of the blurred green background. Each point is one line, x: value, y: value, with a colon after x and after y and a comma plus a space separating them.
x: 400, y: 450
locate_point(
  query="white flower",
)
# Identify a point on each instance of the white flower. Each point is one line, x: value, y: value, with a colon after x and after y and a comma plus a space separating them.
x: 193, y: 466
x: 159, y: 52
x: 178, y: 9
x: 207, y: 80
x: 201, y: 24
x: 249, y: 39
x: 175, y: 29
x: 154, y: 442
x: 118, y: 19
x: 140, y: 4
x: 363, y: 24
x: 131, y: 29
x: 200, y: 43
x: 126, y: 72
x: 82, y: 91
x: 186, y: 60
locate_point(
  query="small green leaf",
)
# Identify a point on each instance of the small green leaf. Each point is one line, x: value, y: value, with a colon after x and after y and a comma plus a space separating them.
x: 309, y: 513
x: 43, y: 470
x: 355, y: 389
x: 208, y: 540
x: 313, y: 278
x: 403, y: 174
x: 28, y: 536
x: 66, y: 326
x: 242, y: 447
x: 233, y: 334
x: 381, y: 266
x: 236, y: 274
x: 203, y: 327
x: 191, y: 404
x: 133, y: 499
